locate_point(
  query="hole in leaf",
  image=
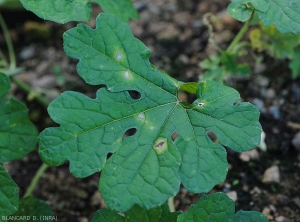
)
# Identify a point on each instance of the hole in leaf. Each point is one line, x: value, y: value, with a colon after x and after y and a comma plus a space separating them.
x: 108, y: 155
x: 160, y: 144
x: 134, y: 94
x: 129, y: 132
x: 174, y: 136
x: 212, y: 136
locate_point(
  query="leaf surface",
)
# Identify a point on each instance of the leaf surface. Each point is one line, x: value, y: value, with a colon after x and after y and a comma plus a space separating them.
x: 37, y: 210
x: 249, y: 216
x: 123, y: 8
x: 60, y: 11
x: 9, y: 194
x: 18, y: 135
x: 145, y: 168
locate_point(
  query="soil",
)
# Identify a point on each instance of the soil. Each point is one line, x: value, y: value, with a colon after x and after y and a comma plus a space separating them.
x: 175, y: 33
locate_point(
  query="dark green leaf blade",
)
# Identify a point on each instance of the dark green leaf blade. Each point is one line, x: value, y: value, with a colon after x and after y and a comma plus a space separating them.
x: 35, y: 209
x: 4, y: 85
x: 136, y: 214
x: 9, y: 194
x: 60, y: 11
x: 239, y: 10
x: 122, y: 8
x: 217, y: 207
x: 105, y: 215
x: 145, y: 168
x: 249, y: 216
x: 18, y: 135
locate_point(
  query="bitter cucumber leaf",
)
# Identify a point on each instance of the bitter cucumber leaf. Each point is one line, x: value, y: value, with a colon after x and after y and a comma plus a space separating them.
x: 145, y: 168
x: 122, y: 8
x: 60, y: 11
x: 35, y: 209
x: 283, y: 14
x: 63, y: 11
x: 218, y: 207
x: 9, y: 194
x: 18, y: 135
x: 249, y: 216
x: 137, y: 214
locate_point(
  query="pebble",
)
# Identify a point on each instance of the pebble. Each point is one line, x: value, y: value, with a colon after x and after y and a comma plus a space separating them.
x: 232, y: 195
x: 249, y: 155
x: 281, y: 219
x: 270, y: 94
x: 27, y: 53
x: 296, y: 141
x: 271, y: 175
x: 275, y: 112
x: 260, y: 105
x: 169, y: 34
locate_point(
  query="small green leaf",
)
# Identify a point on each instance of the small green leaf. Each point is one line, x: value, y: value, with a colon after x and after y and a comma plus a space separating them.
x: 190, y: 87
x: 283, y: 14
x: 295, y: 64
x: 249, y: 216
x: 137, y: 214
x: 105, y: 215
x: 145, y: 168
x: 231, y: 66
x: 18, y: 135
x: 35, y: 209
x: 217, y: 207
x: 60, y: 11
x: 9, y: 194
x: 240, y: 10
x: 122, y: 8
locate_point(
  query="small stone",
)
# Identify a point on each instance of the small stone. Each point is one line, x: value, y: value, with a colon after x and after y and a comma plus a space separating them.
x: 249, y: 155
x: 297, y: 201
x: 271, y: 175
x: 281, y: 219
x: 296, y: 141
x: 83, y: 219
x: 27, y: 53
x: 274, y: 110
x: 232, y: 195
x: 270, y: 94
x: 259, y: 104
x: 171, y: 33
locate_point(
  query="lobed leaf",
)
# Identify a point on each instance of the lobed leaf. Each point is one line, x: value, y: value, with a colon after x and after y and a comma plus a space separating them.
x: 122, y: 8
x: 35, y: 209
x: 137, y: 214
x: 249, y: 216
x: 60, y: 11
x: 145, y: 168
x: 283, y: 14
x: 9, y: 194
x: 63, y: 11
x: 217, y: 207
x: 18, y: 135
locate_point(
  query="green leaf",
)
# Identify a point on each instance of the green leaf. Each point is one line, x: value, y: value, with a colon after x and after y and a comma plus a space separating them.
x: 137, y: 214
x: 9, y: 194
x: 190, y: 87
x: 240, y: 10
x: 217, y: 207
x: 230, y: 64
x: 283, y: 14
x: 18, y: 135
x: 35, y: 209
x: 145, y: 168
x: 60, y: 11
x: 249, y: 216
x: 105, y: 215
x: 122, y: 8
x: 294, y: 63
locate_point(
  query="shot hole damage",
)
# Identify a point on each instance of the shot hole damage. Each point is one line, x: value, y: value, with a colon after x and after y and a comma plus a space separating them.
x: 160, y: 145
x: 129, y: 132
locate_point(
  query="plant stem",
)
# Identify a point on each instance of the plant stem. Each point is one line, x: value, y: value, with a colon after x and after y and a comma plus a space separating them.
x: 27, y: 89
x: 9, y: 44
x: 171, y: 204
x: 35, y: 180
x: 238, y: 37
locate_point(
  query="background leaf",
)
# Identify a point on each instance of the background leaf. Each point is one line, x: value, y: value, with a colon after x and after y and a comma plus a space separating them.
x: 294, y: 63
x: 18, y: 135
x: 34, y: 208
x: 9, y: 194
x: 145, y: 168
x: 283, y: 14
x: 249, y: 216
x: 105, y: 215
x: 217, y: 207
x: 60, y: 11
x: 122, y: 8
